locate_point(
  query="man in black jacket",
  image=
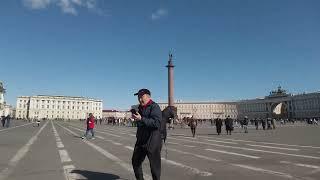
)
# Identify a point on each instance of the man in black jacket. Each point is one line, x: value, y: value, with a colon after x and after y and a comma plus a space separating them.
x: 148, y: 143
x: 219, y: 124
x: 229, y: 125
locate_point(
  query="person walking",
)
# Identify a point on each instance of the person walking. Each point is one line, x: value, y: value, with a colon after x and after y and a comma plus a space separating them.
x: 245, y: 124
x: 229, y: 125
x: 256, y: 123
x: 193, y: 123
x: 38, y: 122
x: 219, y: 124
x: 149, y: 142
x: 8, y: 119
x: 263, y: 123
x: 273, y: 122
x: 269, y: 123
x: 90, y: 126
x: 3, y: 120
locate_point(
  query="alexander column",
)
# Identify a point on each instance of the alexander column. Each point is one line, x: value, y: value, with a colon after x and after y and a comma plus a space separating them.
x: 170, y: 67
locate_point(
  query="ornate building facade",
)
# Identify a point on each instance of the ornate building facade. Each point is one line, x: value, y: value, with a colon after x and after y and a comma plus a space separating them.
x: 57, y: 107
x: 278, y: 104
x: 205, y: 110
x: 116, y: 114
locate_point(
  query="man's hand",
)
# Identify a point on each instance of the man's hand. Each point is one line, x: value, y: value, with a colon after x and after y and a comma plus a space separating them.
x: 137, y: 116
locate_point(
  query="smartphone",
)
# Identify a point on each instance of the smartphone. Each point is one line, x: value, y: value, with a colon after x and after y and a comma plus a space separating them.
x: 133, y: 111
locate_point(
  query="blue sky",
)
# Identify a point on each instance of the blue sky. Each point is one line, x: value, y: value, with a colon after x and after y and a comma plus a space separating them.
x: 108, y: 49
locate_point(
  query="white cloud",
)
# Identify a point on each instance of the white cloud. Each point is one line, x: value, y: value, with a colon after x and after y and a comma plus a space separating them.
x: 36, y: 4
x: 159, y: 14
x: 66, y: 6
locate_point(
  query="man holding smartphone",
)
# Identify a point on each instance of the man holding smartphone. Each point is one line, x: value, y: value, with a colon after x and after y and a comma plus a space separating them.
x: 148, y: 119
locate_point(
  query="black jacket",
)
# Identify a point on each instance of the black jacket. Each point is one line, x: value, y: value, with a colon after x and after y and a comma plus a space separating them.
x: 148, y: 133
x: 228, y: 122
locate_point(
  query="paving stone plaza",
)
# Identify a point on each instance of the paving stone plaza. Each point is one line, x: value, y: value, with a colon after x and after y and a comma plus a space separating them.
x: 55, y: 151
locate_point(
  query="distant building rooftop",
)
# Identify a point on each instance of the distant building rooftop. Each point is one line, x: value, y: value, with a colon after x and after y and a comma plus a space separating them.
x: 60, y: 96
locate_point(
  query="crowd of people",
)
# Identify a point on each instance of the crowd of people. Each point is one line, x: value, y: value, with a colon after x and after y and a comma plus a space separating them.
x: 230, y: 124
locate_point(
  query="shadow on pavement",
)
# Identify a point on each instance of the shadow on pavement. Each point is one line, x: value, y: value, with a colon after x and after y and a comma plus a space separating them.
x: 175, y: 135
x: 91, y: 175
x: 77, y: 136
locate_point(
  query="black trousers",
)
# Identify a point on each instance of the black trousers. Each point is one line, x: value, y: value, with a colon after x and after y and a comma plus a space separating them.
x: 193, y: 131
x: 218, y: 129
x: 154, y: 156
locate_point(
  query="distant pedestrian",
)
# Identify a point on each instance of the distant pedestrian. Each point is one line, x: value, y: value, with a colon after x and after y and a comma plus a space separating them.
x: 263, y: 123
x: 256, y: 123
x: 269, y: 123
x: 229, y: 125
x: 3, y: 121
x: 38, y: 122
x: 273, y: 123
x: 245, y: 124
x: 8, y: 119
x: 100, y: 120
x: 149, y: 143
x: 90, y: 126
x: 193, y: 123
x: 219, y: 124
